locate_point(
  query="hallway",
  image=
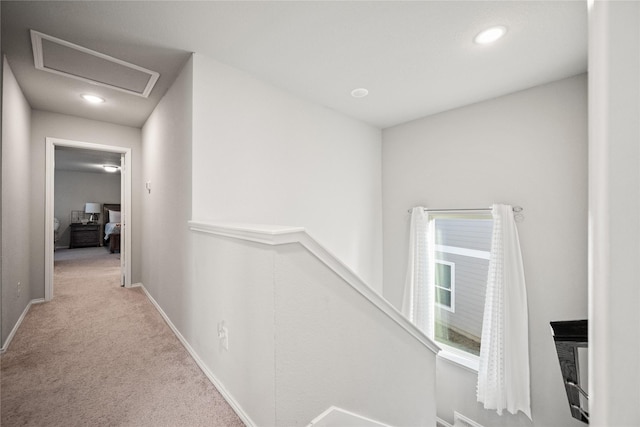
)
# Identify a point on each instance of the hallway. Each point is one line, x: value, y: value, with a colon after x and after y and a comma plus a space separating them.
x: 99, y: 354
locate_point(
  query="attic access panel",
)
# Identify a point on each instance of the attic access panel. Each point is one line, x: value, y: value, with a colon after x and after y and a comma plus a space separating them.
x: 70, y: 60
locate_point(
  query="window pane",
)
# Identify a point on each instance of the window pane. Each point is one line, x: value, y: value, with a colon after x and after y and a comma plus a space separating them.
x: 443, y: 297
x: 443, y: 275
x: 462, y: 247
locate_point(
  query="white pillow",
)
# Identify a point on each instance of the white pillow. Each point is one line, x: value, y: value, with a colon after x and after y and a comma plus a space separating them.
x: 114, y: 216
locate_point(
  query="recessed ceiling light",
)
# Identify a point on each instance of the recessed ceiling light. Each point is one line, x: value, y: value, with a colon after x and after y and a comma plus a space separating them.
x: 490, y: 34
x: 110, y: 168
x: 359, y: 93
x: 93, y: 99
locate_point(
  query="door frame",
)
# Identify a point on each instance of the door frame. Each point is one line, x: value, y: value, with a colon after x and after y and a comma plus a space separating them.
x: 125, y: 201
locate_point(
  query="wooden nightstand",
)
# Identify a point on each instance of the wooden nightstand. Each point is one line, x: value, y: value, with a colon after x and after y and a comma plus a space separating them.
x: 83, y: 235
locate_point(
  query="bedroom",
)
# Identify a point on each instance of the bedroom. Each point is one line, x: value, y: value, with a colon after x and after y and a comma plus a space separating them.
x: 86, y: 199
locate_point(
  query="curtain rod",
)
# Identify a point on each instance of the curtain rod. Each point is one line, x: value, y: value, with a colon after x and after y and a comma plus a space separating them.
x: 516, y: 209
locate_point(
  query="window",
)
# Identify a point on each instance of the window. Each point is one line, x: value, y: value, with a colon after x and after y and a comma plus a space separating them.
x: 445, y: 284
x: 461, y: 265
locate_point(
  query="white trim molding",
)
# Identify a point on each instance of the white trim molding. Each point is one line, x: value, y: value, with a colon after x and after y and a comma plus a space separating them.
x: 337, y: 416
x: 125, y: 261
x: 474, y: 253
x: 281, y: 235
x: 5, y: 346
x: 460, y: 420
x: 246, y: 419
x: 452, y: 286
x: 38, y: 59
x: 459, y: 357
x: 442, y: 423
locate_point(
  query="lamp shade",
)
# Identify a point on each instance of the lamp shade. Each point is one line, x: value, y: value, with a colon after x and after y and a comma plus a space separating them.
x: 92, y: 208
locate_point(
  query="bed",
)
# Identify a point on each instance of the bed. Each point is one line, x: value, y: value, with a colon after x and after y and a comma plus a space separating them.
x: 111, y: 218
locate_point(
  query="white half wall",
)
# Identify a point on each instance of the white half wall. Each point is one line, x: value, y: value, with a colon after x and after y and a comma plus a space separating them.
x: 301, y: 339
x: 263, y: 156
x: 45, y: 124
x: 17, y: 278
x: 332, y: 347
x: 529, y: 149
x: 233, y: 282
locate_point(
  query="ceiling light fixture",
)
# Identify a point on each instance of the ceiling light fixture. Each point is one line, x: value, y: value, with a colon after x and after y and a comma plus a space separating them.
x: 93, y: 99
x: 110, y: 168
x: 490, y: 35
x: 359, y: 93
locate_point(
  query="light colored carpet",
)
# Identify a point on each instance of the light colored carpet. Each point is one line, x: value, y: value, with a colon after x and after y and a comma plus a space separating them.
x: 83, y: 253
x: 99, y: 355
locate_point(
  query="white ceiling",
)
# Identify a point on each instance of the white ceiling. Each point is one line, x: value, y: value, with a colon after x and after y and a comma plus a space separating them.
x: 416, y: 58
x: 80, y: 160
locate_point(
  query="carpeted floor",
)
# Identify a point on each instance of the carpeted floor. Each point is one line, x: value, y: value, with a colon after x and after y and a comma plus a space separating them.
x: 100, y: 355
x: 83, y: 253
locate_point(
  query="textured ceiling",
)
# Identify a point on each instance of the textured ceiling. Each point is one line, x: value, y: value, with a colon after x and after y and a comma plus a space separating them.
x: 416, y: 58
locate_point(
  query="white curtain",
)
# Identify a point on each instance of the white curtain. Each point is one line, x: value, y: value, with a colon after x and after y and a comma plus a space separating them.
x: 419, y: 292
x: 503, y: 375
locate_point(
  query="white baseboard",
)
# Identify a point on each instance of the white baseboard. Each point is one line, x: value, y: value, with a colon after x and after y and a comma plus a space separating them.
x: 4, y: 348
x: 460, y: 420
x: 216, y: 383
x: 335, y: 416
x: 442, y: 423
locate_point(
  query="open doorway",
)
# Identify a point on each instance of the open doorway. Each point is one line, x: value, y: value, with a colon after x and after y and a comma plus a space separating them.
x: 91, y: 217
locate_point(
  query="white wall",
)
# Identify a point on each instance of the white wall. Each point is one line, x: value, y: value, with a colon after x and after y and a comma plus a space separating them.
x: 73, y: 189
x: 332, y: 347
x: 234, y: 282
x: 196, y: 295
x: 270, y: 299
x: 614, y: 206
x: 529, y: 149
x: 263, y: 156
x: 166, y: 164
x: 45, y: 124
x: 16, y: 178
x: 301, y: 339
x: 1, y: 216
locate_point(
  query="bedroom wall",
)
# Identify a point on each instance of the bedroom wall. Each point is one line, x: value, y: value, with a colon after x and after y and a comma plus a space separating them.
x: 263, y: 156
x: 74, y: 189
x: 16, y: 177
x: 46, y: 124
x: 529, y: 149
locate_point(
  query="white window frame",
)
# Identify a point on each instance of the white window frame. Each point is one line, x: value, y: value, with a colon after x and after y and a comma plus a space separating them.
x: 455, y: 355
x: 452, y: 288
x: 459, y: 357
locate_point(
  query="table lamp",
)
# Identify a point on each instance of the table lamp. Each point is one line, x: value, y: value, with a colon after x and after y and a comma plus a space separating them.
x: 92, y: 208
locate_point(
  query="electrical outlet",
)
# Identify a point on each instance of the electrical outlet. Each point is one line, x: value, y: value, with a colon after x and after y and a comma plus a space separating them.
x: 223, y: 335
x: 19, y: 289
